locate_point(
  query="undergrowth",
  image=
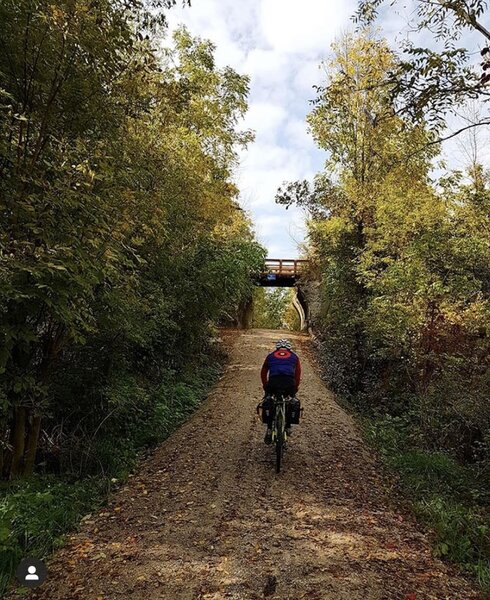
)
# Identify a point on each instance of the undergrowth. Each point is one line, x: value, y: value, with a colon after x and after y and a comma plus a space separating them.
x: 37, y: 512
x: 450, y: 498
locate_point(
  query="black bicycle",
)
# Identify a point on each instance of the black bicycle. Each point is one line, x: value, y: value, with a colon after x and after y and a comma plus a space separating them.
x: 276, y: 410
x: 279, y: 434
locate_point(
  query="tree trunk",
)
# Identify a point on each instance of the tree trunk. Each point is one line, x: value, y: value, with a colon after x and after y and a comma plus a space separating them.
x: 428, y: 365
x: 360, y: 352
x: 18, y: 442
x: 31, y: 447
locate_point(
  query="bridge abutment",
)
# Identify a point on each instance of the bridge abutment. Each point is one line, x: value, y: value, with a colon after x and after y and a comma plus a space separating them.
x: 287, y: 273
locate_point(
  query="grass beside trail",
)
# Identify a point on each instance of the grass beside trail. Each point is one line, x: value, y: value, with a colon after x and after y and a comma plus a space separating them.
x: 36, y: 513
x: 452, y: 499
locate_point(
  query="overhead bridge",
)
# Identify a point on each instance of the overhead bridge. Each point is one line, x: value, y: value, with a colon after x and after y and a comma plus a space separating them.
x: 282, y: 272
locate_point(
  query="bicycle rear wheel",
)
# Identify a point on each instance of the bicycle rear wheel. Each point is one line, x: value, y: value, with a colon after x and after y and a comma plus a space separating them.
x: 279, y: 441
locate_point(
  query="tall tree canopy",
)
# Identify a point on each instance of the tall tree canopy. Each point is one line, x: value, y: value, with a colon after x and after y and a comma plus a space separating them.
x: 120, y: 233
x: 404, y: 263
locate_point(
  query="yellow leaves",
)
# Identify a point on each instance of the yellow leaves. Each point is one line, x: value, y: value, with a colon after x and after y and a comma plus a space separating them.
x: 142, y: 488
x: 58, y: 15
x: 99, y: 556
x: 223, y: 565
x: 84, y: 548
x: 331, y: 231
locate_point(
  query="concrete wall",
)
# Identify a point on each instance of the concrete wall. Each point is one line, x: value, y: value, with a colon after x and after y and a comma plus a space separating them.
x: 309, y: 296
x: 301, y: 309
x: 307, y: 303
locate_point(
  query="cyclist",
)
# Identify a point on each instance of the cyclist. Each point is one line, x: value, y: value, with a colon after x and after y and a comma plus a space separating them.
x: 281, y: 372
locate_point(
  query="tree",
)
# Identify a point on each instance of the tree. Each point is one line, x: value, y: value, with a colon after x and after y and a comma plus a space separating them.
x: 57, y: 73
x: 369, y: 146
x: 433, y: 82
x: 121, y: 240
x: 273, y: 309
x: 404, y: 262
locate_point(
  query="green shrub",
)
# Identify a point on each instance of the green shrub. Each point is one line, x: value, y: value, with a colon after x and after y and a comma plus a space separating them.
x: 447, y: 496
x: 426, y: 473
x: 462, y: 533
x: 35, y: 513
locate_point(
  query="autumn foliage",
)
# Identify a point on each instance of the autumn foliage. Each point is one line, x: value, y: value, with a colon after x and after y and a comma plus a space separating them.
x: 403, y: 260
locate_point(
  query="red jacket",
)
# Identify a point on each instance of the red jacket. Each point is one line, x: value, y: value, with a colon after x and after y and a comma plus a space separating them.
x: 281, y: 362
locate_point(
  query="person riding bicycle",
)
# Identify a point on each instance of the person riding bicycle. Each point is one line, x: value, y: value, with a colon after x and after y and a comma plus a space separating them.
x: 281, y: 372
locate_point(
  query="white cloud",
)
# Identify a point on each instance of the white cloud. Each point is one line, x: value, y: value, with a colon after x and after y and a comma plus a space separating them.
x: 303, y: 28
x: 266, y: 66
x: 298, y: 136
x: 264, y: 155
x: 281, y: 231
x: 266, y: 168
x: 279, y: 44
x: 270, y: 222
x: 260, y: 185
x: 265, y: 118
x: 307, y: 75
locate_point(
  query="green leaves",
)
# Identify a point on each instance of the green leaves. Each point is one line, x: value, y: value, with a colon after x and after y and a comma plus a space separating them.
x: 405, y: 306
x: 433, y: 82
x: 119, y: 227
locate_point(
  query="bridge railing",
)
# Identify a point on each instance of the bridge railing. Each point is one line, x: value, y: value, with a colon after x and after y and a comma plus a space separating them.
x: 285, y: 267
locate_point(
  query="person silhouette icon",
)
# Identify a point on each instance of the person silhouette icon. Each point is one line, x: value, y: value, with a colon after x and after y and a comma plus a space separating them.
x: 32, y: 576
x: 31, y: 572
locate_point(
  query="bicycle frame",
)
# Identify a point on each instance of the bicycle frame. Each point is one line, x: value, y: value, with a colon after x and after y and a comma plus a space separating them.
x: 279, y: 420
x: 279, y: 435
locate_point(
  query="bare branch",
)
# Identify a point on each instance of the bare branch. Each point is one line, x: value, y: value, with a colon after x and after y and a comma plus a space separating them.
x: 445, y: 138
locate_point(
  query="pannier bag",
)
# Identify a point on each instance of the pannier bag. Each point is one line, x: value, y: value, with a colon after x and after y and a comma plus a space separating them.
x: 264, y: 409
x: 294, y: 411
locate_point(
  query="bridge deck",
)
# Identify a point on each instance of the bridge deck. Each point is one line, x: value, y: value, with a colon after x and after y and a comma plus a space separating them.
x: 282, y: 272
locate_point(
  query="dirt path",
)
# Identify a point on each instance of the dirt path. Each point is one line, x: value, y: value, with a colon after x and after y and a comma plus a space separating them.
x: 206, y: 517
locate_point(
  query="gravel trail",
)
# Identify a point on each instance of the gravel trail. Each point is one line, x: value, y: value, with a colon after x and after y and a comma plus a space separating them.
x: 206, y: 518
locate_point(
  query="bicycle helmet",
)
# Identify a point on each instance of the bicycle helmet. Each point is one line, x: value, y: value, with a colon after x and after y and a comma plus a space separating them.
x: 284, y: 344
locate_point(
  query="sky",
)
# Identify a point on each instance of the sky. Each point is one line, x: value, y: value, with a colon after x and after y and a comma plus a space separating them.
x: 280, y: 44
